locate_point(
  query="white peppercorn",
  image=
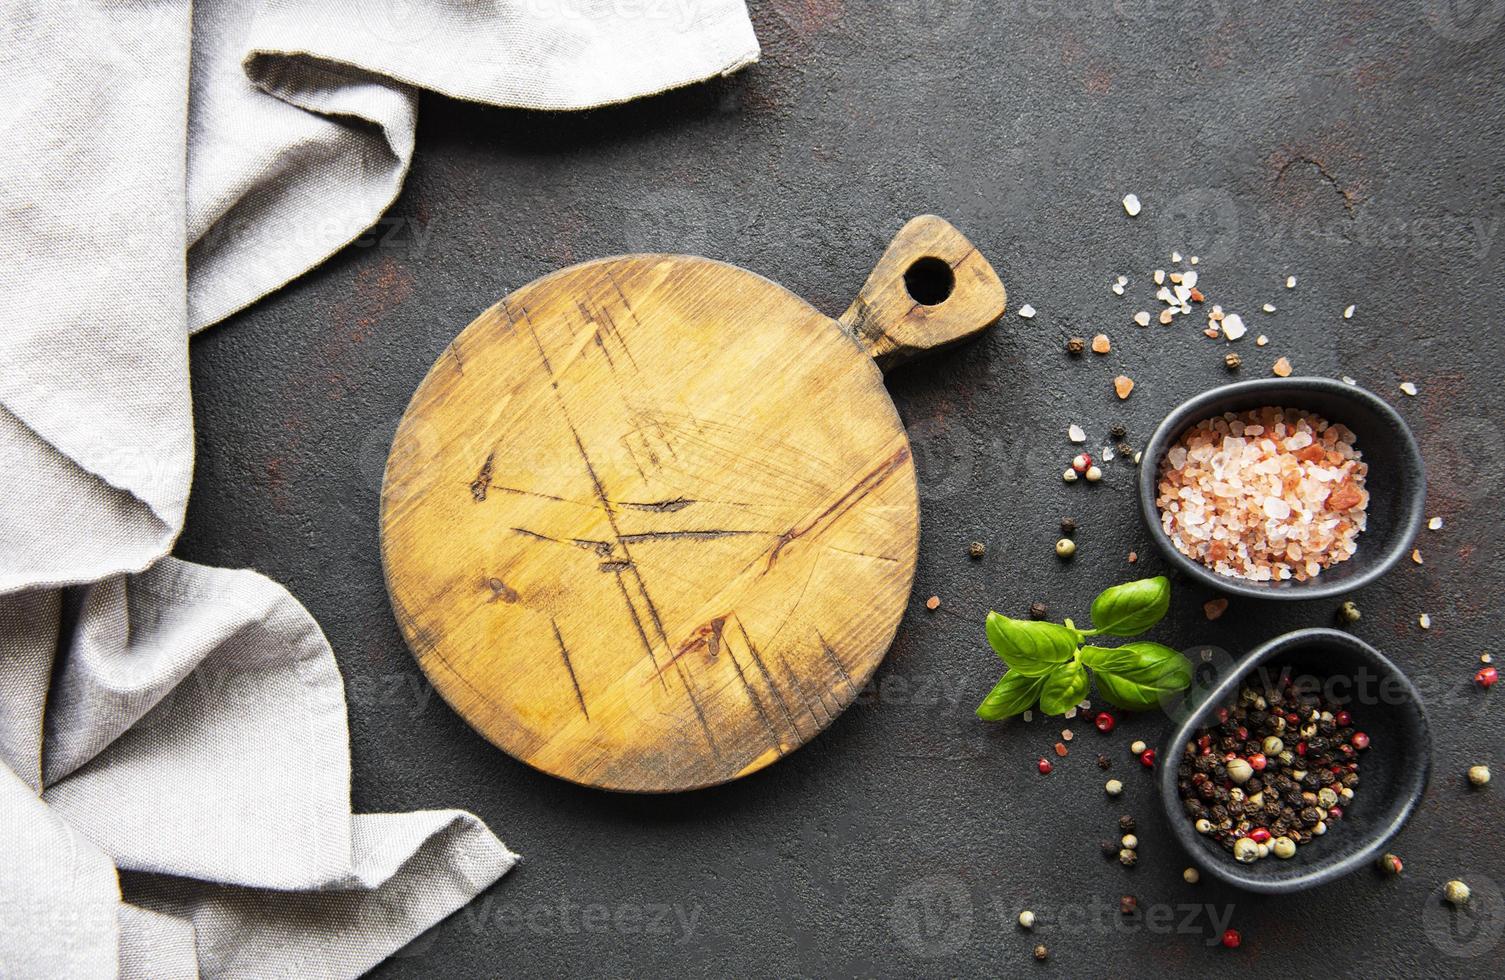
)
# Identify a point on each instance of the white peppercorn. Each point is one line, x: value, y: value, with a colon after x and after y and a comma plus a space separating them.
x: 1137, y: 747
x: 1245, y: 850
x: 1272, y: 746
x: 1113, y: 787
x: 1191, y: 876
x: 1027, y: 919
x: 1283, y: 847
x: 1478, y: 775
x: 1456, y: 892
x: 1065, y: 548
x: 1130, y: 841
x: 1239, y: 770
x: 1204, y: 826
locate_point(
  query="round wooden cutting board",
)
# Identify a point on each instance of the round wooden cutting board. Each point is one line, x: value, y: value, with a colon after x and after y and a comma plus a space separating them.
x: 650, y: 522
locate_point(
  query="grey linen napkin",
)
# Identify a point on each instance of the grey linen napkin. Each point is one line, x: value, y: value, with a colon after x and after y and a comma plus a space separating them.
x: 174, y: 759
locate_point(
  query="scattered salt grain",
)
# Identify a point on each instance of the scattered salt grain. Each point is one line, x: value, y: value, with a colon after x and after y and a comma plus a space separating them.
x: 1118, y: 288
x: 1194, y: 260
x: 1269, y: 307
x: 1233, y: 326
x: 1142, y: 318
x: 1435, y: 524
x: 1282, y: 368
x: 1131, y: 205
x: 1213, y: 608
x: 1424, y: 621
x: 1122, y: 385
x: 1261, y: 340
x: 1027, y: 311
x: 1290, y: 282
x: 1349, y: 381
x: 1348, y: 312
x: 1167, y: 315
x: 1416, y: 556
x: 1160, y: 277
x: 1408, y: 388
x: 1100, y: 344
x: 1175, y: 256
x: 1075, y: 433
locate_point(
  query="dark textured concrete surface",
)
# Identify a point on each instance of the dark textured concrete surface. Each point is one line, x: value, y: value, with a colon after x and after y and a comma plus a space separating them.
x: 1354, y: 144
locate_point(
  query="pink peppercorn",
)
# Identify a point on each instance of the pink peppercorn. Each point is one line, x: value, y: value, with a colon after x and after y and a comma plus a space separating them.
x: 1044, y: 766
x: 1257, y: 762
x: 1342, y: 718
x: 1104, y: 722
x: 1147, y: 757
x: 1231, y: 939
x: 1260, y: 835
x: 1360, y: 740
x: 1486, y: 677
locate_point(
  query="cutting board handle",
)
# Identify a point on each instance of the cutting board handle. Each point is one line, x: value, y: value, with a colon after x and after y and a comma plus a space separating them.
x: 931, y: 288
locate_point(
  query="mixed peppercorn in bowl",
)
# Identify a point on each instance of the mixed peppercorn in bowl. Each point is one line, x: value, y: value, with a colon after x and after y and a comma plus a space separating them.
x: 1296, y: 764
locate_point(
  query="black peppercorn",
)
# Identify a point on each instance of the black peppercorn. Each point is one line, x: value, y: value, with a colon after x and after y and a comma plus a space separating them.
x: 1233, y: 362
x: 1118, y: 432
x: 977, y: 549
x: 1110, y: 848
x: 1075, y: 345
x: 1041, y: 952
x: 1126, y: 823
x: 1128, y: 905
x: 1068, y: 526
x: 1038, y: 610
x: 1103, y: 762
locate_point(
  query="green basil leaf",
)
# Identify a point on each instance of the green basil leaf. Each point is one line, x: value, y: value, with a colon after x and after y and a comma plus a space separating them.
x: 1065, y: 686
x: 1014, y: 694
x: 1139, y: 675
x: 1131, y: 608
x: 1030, y: 647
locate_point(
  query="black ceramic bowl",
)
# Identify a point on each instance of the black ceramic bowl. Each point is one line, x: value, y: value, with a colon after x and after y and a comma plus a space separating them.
x: 1393, y: 771
x: 1396, y: 480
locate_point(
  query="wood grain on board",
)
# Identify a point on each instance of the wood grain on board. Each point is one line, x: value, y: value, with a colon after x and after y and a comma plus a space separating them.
x: 650, y: 522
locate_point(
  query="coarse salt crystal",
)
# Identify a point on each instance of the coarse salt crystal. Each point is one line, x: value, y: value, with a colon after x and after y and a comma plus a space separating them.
x: 1290, y: 282
x: 1075, y: 433
x: 1349, y: 381
x: 1424, y: 621
x: 1194, y: 260
x: 1348, y: 313
x: 1435, y: 524
x: 1123, y: 280
x: 1233, y: 326
x: 1131, y: 205
x: 1142, y: 318
x: 1159, y: 277
x: 1118, y: 288
x: 1189, y: 279
x: 1027, y: 311
x: 1408, y: 388
x: 1276, y: 508
x: 1269, y: 307
x: 1261, y: 340
x: 1175, y: 256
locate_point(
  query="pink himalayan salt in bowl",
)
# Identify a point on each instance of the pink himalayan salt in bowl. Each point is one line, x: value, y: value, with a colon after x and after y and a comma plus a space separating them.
x: 1392, y: 495
x: 1267, y: 494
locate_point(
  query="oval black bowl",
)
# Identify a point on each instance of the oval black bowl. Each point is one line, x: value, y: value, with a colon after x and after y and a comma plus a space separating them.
x: 1396, y: 481
x: 1393, y: 771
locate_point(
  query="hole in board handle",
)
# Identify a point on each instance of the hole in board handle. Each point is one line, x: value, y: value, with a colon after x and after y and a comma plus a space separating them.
x: 929, y: 281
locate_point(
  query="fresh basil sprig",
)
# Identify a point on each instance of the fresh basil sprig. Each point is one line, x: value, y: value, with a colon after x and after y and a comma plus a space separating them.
x: 1048, y: 662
